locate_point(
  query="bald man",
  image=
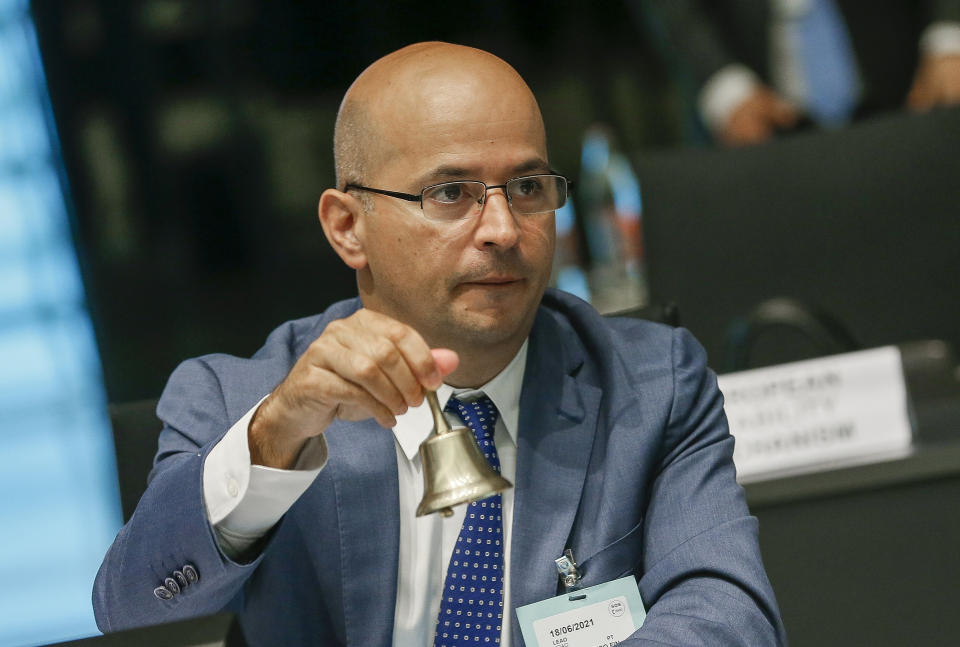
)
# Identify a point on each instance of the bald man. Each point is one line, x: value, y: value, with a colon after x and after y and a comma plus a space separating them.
x: 285, y: 485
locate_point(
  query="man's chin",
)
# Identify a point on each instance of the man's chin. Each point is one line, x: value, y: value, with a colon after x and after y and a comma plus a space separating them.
x: 493, y: 325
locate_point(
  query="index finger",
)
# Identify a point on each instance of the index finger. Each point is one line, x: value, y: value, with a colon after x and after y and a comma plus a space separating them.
x: 414, y: 349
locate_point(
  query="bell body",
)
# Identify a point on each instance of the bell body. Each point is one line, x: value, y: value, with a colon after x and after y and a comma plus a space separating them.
x: 455, y: 471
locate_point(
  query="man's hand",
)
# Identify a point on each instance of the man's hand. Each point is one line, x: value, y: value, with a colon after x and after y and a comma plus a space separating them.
x: 937, y: 83
x: 757, y: 118
x: 367, y: 365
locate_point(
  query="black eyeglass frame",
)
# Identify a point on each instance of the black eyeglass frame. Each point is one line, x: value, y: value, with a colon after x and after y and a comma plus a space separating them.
x: 414, y: 197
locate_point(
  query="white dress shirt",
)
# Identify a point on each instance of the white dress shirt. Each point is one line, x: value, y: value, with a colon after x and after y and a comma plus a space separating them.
x: 244, y: 501
x: 733, y: 84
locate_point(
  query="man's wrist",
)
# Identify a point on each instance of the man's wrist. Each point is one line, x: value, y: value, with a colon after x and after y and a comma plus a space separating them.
x: 268, y: 448
x: 723, y: 93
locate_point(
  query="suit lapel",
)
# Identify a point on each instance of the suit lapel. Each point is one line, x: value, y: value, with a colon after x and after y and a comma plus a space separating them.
x: 558, y: 420
x: 366, y: 484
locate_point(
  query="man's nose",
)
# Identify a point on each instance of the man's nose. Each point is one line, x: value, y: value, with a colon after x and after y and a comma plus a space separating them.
x: 497, y: 223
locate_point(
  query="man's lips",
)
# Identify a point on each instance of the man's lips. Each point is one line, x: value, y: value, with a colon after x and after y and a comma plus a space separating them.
x: 493, y: 280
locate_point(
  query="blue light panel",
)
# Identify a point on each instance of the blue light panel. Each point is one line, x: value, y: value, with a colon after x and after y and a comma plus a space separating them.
x: 60, y: 505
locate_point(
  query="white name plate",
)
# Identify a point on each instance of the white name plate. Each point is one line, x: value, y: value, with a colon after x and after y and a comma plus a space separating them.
x: 817, y: 413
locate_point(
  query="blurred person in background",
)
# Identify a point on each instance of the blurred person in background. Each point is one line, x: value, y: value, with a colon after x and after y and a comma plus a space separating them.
x: 763, y: 66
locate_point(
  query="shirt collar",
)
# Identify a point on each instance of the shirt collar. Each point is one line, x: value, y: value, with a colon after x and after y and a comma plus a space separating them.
x: 415, y: 425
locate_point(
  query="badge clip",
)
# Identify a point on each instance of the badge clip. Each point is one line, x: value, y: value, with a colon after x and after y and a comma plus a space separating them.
x: 569, y: 573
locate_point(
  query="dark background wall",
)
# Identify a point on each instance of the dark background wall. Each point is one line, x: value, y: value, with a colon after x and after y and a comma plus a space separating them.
x: 197, y: 139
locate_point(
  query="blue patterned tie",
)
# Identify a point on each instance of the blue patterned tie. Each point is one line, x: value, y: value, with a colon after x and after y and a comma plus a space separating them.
x: 472, y: 604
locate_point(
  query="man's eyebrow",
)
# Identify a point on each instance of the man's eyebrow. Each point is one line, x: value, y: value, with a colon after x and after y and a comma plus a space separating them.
x: 450, y: 172
x: 536, y: 164
x: 443, y: 173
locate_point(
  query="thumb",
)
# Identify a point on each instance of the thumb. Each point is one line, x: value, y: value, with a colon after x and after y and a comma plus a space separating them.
x: 446, y: 360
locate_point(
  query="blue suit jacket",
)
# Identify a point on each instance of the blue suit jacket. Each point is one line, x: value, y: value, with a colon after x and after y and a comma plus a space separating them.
x: 623, y: 455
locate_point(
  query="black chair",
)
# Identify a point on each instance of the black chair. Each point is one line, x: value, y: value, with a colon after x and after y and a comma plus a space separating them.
x: 135, y: 430
x: 860, y: 222
x: 784, y: 330
x: 665, y: 313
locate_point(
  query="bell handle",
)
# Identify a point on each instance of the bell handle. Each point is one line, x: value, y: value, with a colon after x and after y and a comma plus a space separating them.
x: 440, y: 425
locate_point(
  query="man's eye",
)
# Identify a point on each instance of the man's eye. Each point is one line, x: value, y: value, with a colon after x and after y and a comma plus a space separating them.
x: 528, y: 186
x: 446, y: 193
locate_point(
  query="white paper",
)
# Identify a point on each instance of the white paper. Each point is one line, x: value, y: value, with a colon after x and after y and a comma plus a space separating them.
x: 817, y: 413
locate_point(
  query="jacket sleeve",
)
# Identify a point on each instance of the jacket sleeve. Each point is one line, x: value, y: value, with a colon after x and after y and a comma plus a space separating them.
x: 687, y: 34
x: 169, y: 530
x: 944, y: 10
x: 703, y: 579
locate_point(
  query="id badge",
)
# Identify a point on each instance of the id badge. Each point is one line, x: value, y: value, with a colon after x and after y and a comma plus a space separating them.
x: 599, y: 616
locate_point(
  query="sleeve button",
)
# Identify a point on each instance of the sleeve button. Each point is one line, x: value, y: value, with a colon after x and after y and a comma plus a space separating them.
x: 181, y: 579
x: 171, y: 585
x: 162, y: 593
x: 191, y: 573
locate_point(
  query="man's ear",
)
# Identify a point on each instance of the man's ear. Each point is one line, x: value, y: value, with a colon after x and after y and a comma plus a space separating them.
x: 340, y: 214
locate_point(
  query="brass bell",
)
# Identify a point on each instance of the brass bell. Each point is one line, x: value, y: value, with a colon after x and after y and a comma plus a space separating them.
x: 454, y: 468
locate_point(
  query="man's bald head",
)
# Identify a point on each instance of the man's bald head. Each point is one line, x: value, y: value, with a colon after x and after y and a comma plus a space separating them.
x: 425, y: 79
x: 435, y: 114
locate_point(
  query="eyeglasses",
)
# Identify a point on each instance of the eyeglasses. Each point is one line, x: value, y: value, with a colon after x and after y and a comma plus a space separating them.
x: 452, y: 201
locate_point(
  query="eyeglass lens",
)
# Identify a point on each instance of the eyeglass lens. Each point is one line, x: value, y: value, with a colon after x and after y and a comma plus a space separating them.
x: 527, y: 195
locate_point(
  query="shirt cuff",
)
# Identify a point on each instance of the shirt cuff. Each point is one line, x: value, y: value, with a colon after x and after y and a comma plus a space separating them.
x: 244, y: 501
x: 723, y: 93
x: 941, y: 39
